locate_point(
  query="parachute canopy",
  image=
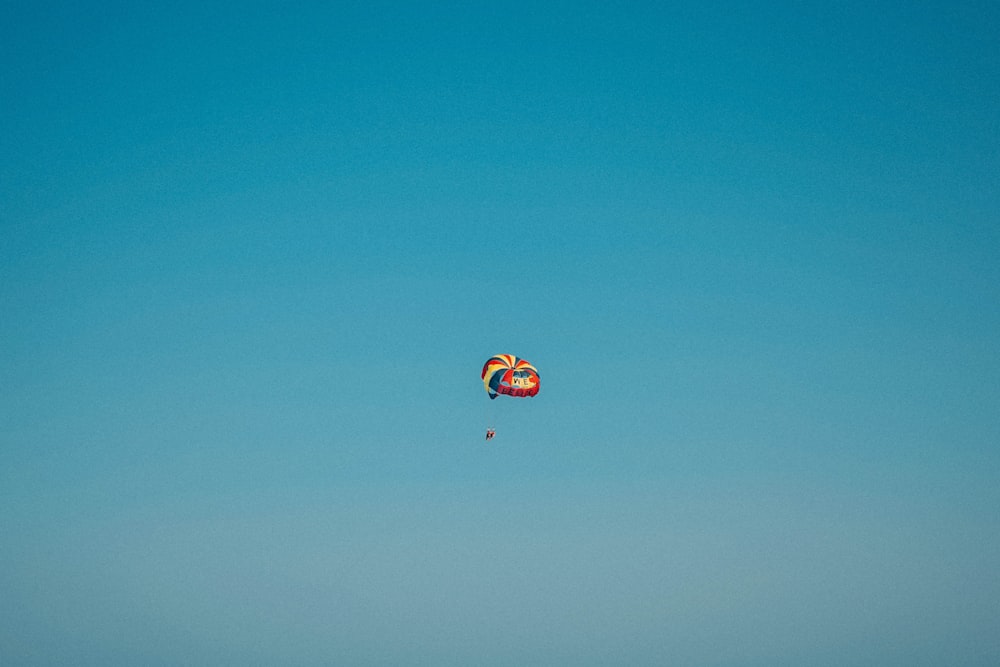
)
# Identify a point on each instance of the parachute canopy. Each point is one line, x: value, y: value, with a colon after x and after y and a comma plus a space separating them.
x: 506, y: 374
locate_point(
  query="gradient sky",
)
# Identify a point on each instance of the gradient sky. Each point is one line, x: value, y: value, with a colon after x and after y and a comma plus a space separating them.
x: 254, y: 255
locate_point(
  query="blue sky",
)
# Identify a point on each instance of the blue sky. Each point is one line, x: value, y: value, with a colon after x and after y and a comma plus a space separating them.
x: 254, y: 258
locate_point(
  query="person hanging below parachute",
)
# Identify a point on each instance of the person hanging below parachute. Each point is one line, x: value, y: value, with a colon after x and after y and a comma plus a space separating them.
x: 510, y: 376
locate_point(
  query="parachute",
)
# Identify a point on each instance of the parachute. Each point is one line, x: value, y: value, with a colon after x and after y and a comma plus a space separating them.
x: 508, y: 375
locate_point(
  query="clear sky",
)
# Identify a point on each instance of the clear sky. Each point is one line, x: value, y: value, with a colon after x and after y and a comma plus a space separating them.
x: 253, y: 257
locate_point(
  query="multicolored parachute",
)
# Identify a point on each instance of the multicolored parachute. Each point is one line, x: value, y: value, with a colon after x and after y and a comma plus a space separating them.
x: 506, y: 374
